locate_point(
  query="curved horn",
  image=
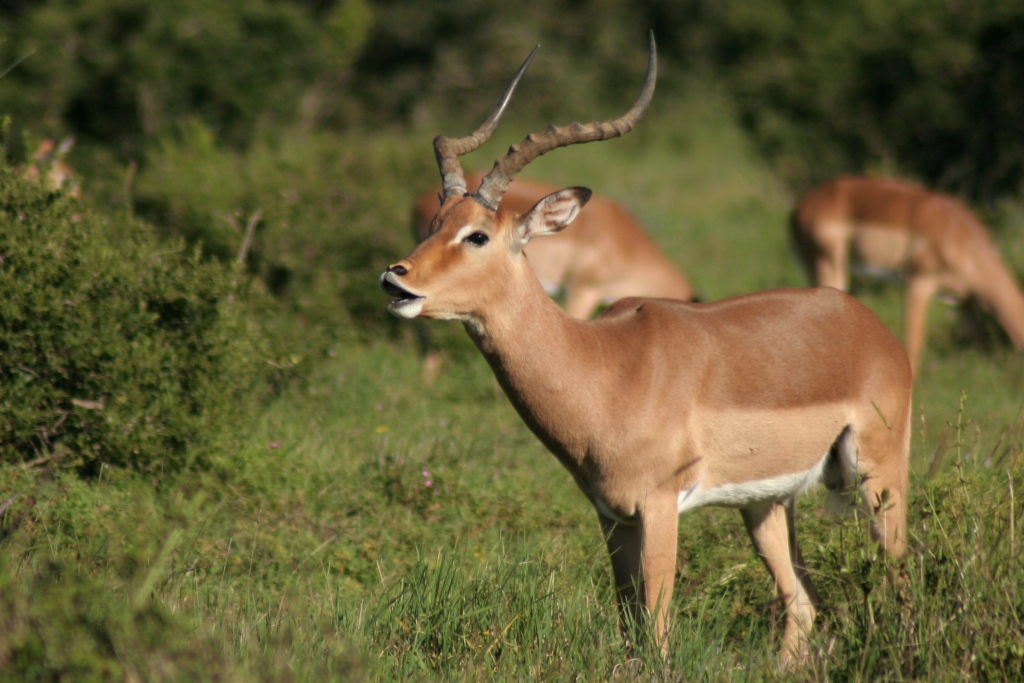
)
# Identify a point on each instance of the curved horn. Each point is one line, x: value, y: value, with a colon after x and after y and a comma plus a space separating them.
x: 448, y: 150
x: 505, y: 169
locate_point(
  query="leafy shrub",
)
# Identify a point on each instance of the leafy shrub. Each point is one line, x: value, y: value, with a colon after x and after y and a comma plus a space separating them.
x: 334, y: 210
x: 117, y: 352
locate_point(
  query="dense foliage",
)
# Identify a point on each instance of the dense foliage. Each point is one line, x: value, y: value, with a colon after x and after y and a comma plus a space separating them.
x: 118, y: 72
x: 326, y: 212
x: 927, y: 88
x: 114, y: 349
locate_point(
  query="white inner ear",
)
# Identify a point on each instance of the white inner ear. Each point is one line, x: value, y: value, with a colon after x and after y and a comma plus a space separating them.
x: 550, y: 215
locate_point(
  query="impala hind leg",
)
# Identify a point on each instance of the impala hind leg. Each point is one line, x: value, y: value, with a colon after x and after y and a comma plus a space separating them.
x: 431, y: 358
x: 643, y: 557
x: 581, y: 301
x: 771, y: 529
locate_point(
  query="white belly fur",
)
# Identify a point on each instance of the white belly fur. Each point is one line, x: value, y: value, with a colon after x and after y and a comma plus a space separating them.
x: 751, y: 492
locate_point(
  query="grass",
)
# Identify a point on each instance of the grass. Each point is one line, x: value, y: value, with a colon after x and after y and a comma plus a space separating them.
x: 373, y: 528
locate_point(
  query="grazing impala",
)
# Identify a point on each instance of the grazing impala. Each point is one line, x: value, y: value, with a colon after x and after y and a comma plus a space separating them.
x: 934, y: 242
x: 657, y: 406
x: 605, y: 256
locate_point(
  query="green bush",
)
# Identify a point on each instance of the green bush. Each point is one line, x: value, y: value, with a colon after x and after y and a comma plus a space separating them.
x: 120, y: 352
x: 333, y: 211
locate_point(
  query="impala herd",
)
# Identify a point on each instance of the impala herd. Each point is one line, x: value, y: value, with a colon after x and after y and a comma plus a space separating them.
x: 660, y: 405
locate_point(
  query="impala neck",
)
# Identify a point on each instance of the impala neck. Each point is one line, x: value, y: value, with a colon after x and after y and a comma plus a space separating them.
x: 539, y: 355
x: 998, y: 289
x: 523, y: 328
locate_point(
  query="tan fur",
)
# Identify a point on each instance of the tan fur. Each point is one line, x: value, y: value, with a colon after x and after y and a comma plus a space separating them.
x: 656, y: 396
x: 606, y: 256
x: 660, y: 406
x: 932, y: 241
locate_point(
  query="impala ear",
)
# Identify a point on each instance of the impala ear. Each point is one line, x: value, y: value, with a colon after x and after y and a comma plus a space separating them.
x: 553, y: 213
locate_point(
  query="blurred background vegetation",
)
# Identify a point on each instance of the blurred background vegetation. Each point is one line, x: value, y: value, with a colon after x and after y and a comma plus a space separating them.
x: 925, y: 87
x: 318, y: 113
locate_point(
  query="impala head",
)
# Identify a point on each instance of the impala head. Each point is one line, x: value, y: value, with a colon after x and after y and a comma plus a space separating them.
x: 474, y: 246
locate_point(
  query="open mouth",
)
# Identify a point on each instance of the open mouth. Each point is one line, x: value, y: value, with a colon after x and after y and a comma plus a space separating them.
x: 405, y: 303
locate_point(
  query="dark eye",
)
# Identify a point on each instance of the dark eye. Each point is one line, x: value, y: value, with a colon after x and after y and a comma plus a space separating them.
x: 477, y: 239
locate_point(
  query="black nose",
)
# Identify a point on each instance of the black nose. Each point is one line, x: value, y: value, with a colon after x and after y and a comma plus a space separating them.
x: 398, y: 270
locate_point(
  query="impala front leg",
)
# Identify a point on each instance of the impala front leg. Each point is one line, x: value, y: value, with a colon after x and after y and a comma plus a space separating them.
x: 832, y: 262
x: 919, y: 293
x: 643, y: 555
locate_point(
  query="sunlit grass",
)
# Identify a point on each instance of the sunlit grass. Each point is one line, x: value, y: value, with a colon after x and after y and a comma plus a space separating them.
x: 320, y: 550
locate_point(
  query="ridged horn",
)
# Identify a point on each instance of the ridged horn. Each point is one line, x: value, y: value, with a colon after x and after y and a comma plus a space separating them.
x: 505, y: 169
x: 448, y: 150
